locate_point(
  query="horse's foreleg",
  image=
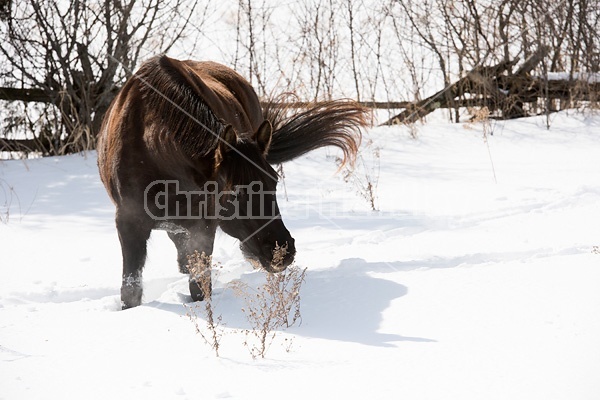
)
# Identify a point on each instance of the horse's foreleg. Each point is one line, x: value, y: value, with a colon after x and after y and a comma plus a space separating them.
x: 183, y: 251
x: 200, y: 240
x: 133, y: 234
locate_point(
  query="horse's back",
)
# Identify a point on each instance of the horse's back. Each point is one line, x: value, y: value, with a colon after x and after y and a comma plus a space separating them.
x: 235, y: 101
x: 226, y: 93
x: 165, y: 122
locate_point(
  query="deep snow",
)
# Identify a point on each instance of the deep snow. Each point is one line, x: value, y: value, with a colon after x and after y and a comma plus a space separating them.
x: 461, y: 286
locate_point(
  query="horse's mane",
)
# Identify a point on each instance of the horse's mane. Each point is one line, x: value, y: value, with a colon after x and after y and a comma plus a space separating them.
x: 187, y: 123
x: 330, y: 123
x: 186, y: 120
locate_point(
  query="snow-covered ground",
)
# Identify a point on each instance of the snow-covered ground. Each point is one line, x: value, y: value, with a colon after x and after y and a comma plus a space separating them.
x: 478, y: 278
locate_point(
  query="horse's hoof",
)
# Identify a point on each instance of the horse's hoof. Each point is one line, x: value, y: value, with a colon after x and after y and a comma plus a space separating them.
x: 130, y: 297
x: 126, y: 306
x: 197, y: 293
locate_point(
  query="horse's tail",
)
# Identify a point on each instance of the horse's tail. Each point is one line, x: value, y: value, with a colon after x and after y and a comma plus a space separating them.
x: 330, y: 123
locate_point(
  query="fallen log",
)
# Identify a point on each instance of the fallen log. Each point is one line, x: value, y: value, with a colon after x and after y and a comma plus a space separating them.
x: 500, y: 90
x: 26, y: 94
x: 477, y: 80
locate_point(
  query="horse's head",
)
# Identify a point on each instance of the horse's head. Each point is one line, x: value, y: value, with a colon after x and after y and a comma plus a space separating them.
x: 248, y: 203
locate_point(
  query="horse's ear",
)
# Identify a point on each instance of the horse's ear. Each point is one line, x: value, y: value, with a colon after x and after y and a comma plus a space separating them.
x: 229, y: 138
x: 227, y: 141
x: 263, y: 136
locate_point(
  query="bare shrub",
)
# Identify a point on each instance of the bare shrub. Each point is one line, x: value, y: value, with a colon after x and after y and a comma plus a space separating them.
x: 272, y: 306
x: 73, y: 55
x: 268, y: 308
x: 201, y: 266
x: 482, y: 116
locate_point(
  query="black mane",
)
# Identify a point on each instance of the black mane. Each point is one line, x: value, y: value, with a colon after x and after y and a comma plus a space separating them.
x: 186, y: 119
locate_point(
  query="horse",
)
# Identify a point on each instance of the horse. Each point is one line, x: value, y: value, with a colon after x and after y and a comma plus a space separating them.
x: 186, y: 147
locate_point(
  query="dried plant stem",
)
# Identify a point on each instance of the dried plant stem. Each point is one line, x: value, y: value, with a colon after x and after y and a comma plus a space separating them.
x: 200, y: 266
x: 366, y: 179
x: 483, y: 115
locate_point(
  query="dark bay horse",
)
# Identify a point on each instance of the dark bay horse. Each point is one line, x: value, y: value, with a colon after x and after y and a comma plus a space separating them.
x: 186, y: 146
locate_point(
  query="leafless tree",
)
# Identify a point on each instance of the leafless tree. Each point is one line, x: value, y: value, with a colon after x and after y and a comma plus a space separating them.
x: 75, y: 55
x: 64, y: 61
x: 254, y: 42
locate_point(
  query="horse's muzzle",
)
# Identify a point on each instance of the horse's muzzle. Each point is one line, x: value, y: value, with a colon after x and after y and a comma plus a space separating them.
x: 271, y: 258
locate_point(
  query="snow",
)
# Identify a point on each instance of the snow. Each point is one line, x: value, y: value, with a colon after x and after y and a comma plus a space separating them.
x: 460, y: 286
x: 589, y: 77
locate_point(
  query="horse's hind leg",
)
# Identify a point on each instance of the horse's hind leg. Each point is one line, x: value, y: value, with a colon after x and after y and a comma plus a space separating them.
x: 133, y: 234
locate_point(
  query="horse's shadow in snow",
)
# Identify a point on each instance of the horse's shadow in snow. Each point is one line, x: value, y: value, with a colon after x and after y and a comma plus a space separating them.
x: 343, y: 303
x: 346, y: 303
